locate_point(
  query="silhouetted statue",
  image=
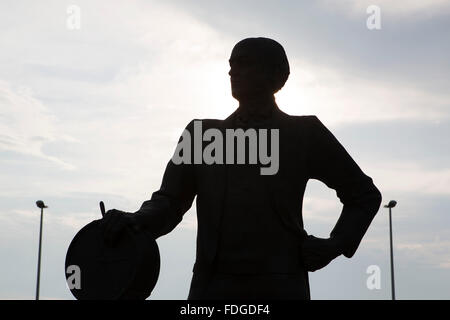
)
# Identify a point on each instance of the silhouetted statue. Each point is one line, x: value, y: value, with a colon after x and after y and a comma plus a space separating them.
x: 251, y: 243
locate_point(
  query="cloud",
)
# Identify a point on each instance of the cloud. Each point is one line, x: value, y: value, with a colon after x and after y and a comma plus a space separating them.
x: 110, y: 100
x: 408, y: 53
x: 321, y: 210
x: 341, y: 98
x: 26, y: 125
x: 415, y: 8
x: 189, y: 221
x: 432, y: 253
x: 408, y: 176
x: 124, y: 91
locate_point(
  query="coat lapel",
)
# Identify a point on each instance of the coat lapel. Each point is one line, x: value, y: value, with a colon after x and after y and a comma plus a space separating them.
x: 218, y: 195
x: 221, y: 179
x: 221, y: 170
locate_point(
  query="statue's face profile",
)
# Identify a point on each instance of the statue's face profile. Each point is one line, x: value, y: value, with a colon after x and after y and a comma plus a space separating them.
x: 247, y: 73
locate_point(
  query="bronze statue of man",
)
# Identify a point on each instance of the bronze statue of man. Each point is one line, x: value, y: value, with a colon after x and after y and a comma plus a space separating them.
x: 251, y: 243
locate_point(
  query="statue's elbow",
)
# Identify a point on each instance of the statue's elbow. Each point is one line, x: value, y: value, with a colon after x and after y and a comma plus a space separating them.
x: 378, y: 198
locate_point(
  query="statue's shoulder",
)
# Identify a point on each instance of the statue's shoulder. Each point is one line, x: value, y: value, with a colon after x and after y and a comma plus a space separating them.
x: 305, y: 121
x: 211, y: 123
x: 204, y: 123
x: 312, y: 126
x: 304, y: 118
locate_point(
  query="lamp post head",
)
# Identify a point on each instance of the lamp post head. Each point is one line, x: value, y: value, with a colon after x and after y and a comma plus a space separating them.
x: 391, y: 204
x: 40, y: 204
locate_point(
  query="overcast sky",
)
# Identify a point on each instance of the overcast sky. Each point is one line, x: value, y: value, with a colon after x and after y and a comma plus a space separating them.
x: 94, y: 114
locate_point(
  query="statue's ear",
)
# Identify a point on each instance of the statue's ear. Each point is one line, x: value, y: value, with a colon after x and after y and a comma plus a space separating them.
x: 278, y: 78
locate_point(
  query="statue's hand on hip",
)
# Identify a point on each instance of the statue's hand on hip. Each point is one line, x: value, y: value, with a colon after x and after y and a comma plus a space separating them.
x: 316, y: 253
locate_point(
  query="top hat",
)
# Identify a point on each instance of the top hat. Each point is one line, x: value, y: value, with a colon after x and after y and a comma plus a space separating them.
x: 96, y: 271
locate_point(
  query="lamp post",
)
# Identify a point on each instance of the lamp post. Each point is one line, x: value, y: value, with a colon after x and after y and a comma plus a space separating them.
x: 40, y: 205
x: 391, y: 205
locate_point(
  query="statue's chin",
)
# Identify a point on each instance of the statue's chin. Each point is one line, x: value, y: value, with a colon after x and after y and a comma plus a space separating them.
x: 242, y: 94
x: 237, y: 94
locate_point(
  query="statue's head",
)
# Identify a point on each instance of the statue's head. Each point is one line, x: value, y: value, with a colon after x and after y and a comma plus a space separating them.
x: 258, y: 66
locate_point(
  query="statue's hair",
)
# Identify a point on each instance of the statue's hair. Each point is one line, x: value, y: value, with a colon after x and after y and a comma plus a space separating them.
x: 273, y: 57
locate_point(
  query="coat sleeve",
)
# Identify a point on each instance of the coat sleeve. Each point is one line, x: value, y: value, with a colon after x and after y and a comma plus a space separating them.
x: 330, y: 163
x: 165, y: 210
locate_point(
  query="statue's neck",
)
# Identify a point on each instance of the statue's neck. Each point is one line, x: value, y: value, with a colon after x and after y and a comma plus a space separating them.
x: 258, y: 105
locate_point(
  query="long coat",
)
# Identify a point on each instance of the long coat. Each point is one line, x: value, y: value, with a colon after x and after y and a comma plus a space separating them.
x: 307, y: 150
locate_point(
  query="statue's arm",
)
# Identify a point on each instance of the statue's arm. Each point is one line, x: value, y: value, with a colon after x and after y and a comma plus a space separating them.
x: 165, y: 210
x: 330, y: 163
